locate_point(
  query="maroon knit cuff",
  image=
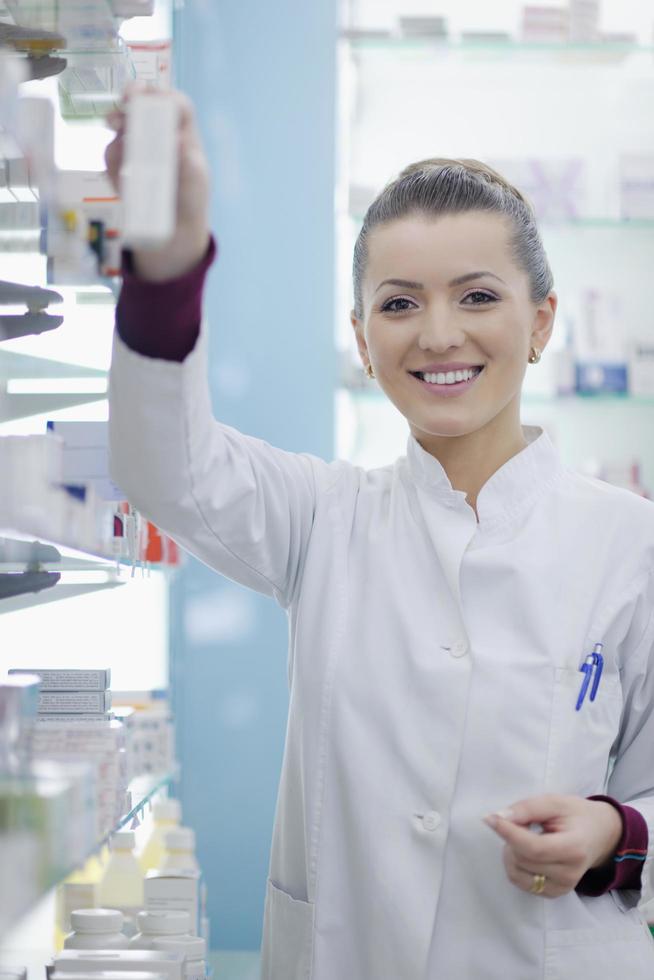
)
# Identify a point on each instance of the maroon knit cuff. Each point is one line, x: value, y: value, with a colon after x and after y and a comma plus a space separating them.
x: 162, y: 319
x: 625, y: 868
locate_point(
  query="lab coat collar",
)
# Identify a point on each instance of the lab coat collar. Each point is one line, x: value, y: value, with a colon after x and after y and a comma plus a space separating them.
x: 510, y: 491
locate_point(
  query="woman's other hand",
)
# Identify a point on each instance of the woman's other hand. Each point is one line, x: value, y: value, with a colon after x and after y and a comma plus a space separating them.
x: 189, y: 243
x: 577, y: 835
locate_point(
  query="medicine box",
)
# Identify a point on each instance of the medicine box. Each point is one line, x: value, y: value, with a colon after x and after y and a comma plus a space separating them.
x: 166, y: 890
x: 74, y: 702
x: 85, y: 961
x: 105, y: 975
x: 68, y: 680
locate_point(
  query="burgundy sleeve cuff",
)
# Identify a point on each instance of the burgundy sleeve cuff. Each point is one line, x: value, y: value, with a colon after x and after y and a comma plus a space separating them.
x: 162, y: 319
x: 625, y: 868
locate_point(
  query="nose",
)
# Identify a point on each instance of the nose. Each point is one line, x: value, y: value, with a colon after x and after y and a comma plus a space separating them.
x: 439, y: 331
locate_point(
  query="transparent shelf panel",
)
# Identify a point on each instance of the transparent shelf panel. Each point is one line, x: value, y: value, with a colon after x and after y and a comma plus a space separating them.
x: 140, y: 791
x: 362, y: 40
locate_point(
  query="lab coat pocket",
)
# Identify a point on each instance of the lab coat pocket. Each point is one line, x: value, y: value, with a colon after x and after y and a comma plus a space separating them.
x: 580, y: 741
x: 287, y: 947
x: 604, y: 954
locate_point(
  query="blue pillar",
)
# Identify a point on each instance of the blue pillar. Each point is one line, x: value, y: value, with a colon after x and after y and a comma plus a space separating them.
x: 262, y: 77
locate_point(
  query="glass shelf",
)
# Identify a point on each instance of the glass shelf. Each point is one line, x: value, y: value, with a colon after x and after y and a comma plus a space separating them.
x: 56, y: 593
x: 140, y: 792
x: 360, y: 40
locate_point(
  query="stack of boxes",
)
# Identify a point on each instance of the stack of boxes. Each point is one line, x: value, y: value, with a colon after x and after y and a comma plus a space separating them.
x: 75, y: 727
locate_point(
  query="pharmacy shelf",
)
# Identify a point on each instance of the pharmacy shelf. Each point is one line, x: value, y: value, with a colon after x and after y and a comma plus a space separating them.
x: 362, y: 40
x: 60, y: 520
x: 104, y: 571
x: 18, y: 406
x: 93, y: 81
x: 14, y: 365
x: 17, y: 367
x: 140, y: 790
x: 31, y: 573
x: 27, y: 325
x: 56, y: 593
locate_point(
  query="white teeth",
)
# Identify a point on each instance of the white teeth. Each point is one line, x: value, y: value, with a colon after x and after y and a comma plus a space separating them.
x: 449, y: 378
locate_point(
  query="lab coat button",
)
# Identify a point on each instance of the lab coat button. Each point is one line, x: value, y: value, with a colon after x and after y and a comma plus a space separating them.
x: 431, y: 820
x: 459, y: 649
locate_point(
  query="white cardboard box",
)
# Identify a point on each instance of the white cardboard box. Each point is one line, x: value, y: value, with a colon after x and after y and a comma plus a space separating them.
x: 81, y: 961
x: 166, y: 890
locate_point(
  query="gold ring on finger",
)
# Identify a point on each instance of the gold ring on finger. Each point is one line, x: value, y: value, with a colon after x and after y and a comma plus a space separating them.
x: 538, y: 885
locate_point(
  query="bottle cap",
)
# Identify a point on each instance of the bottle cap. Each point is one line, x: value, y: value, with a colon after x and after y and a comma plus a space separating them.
x: 180, y: 839
x: 167, y: 810
x: 96, y: 920
x: 160, y: 922
x: 123, y: 840
x: 194, y: 946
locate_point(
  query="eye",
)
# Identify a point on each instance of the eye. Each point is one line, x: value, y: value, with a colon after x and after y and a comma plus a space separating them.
x: 479, y: 292
x: 386, y: 308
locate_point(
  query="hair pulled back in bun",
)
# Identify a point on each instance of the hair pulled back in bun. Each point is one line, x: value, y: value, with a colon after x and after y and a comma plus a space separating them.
x: 442, y: 185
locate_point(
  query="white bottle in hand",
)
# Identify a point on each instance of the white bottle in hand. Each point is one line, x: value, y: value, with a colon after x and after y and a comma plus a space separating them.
x: 149, y: 172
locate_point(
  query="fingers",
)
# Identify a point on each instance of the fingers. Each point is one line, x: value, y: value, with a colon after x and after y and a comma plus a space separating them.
x: 113, y: 158
x: 116, y: 117
x: 535, y: 848
x: 116, y: 120
x: 559, y: 878
x: 538, y: 809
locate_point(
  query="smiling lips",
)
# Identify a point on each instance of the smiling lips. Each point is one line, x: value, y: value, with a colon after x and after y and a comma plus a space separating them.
x: 448, y: 383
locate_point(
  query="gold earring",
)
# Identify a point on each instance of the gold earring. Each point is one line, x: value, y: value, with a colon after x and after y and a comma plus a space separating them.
x: 534, y: 355
x: 369, y: 371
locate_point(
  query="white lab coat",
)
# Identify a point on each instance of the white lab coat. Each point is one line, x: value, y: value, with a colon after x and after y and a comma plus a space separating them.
x: 433, y: 670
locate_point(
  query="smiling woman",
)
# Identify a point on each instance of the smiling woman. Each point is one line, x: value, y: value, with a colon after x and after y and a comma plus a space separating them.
x: 440, y: 610
x: 477, y: 305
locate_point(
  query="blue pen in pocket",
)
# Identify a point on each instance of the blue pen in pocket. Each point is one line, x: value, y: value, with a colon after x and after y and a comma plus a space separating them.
x: 591, y: 668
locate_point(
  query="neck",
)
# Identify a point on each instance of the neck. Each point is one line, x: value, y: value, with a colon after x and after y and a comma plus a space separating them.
x: 470, y: 460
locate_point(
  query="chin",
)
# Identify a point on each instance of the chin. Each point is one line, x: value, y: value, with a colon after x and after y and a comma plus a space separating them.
x: 444, y: 421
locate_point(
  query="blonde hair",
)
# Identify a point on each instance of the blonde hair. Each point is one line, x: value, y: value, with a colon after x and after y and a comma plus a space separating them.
x: 442, y: 185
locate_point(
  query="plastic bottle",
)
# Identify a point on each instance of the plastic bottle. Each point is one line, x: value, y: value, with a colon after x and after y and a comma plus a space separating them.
x: 166, y: 815
x: 78, y: 891
x: 180, y: 850
x: 121, y: 886
x: 158, y: 924
x: 96, y: 929
x: 195, y: 949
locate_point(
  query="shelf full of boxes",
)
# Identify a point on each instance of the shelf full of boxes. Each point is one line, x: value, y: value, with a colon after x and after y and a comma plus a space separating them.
x: 78, y: 761
x: 557, y: 99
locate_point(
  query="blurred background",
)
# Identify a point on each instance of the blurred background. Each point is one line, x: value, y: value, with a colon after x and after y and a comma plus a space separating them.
x: 306, y: 111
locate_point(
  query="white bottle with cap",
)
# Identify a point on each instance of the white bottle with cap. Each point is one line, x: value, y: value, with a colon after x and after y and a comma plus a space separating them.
x: 121, y: 887
x: 180, y: 850
x: 96, y: 929
x: 158, y: 924
x: 195, y: 949
x: 166, y: 815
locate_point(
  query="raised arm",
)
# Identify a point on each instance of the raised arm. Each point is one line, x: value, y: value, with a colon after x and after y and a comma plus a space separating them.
x: 238, y: 504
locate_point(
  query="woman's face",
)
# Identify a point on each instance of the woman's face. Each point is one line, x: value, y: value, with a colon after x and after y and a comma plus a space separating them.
x: 432, y: 322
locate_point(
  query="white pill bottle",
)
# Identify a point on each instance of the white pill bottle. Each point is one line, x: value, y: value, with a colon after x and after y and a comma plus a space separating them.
x: 96, y: 929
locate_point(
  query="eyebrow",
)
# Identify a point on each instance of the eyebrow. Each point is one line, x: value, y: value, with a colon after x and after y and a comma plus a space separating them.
x: 408, y: 284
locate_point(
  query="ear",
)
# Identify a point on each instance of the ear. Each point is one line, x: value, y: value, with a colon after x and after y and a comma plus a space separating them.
x: 357, y: 326
x: 544, y: 321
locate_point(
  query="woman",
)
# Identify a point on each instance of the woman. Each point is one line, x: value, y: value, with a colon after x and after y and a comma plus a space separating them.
x: 450, y: 807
